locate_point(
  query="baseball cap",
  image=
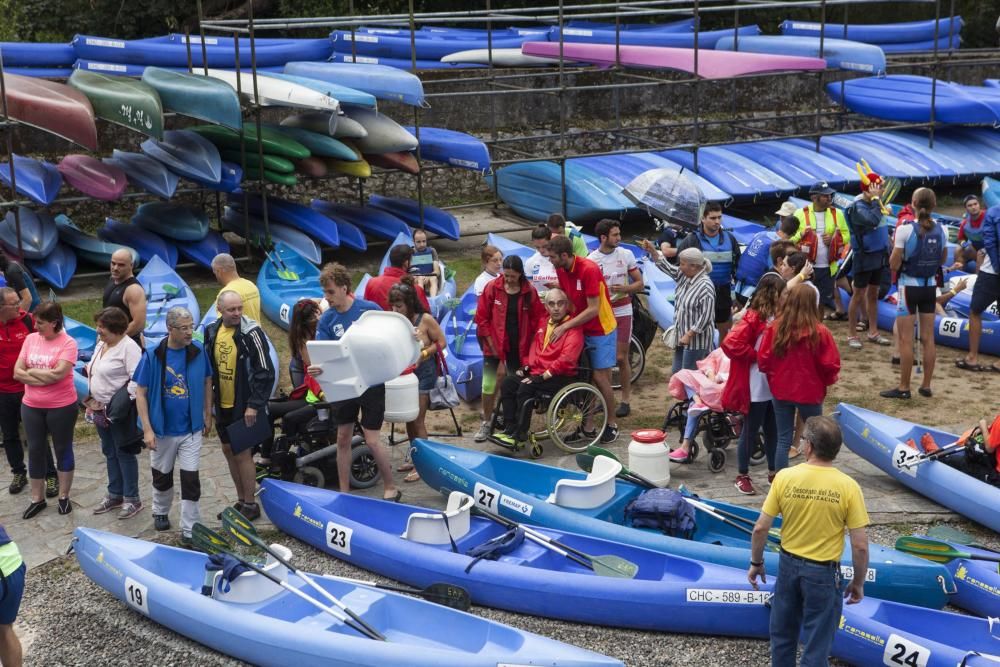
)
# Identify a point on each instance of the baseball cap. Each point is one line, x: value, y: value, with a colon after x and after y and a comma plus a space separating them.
x: 788, y: 208
x: 821, y: 188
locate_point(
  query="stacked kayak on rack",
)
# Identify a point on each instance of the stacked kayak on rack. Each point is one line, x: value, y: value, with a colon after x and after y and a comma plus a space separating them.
x: 902, y: 37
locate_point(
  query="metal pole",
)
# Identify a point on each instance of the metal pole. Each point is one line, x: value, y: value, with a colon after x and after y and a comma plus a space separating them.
x: 562, y: 115
x: 695, y: 101
x: 934, y: 73
x: 416, y: 117
x: 10, y: 160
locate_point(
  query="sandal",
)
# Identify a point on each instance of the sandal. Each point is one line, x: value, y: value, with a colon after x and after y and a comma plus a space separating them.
x: 854, y: 342
x: 835, y: 317
x: 412, y: 477
x: 967, y: 365
x: 406, y: 467
x: 861, y: 326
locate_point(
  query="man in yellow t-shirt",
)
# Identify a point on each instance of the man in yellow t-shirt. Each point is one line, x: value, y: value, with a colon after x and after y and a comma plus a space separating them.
x: 224, y: 268
x: 817, y: 503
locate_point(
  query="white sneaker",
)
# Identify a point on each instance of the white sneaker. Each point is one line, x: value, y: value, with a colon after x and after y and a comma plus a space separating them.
x: 483, y: 433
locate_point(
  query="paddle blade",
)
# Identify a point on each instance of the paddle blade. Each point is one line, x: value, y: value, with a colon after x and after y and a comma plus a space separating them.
x: 614, y: 566
x: 954, y: 535
x: 931, y: 549
x: 171, y: 290
x: 209, y: 541
x: 596, y: 451
x: 585, y: 462
x: 239, y: 527
x: 447, y: 595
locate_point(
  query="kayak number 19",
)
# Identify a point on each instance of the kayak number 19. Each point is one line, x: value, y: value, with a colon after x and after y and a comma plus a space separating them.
x: 137, y: 595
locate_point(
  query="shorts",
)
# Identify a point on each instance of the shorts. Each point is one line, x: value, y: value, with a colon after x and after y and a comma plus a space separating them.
x: 426, y: 373
x: 223, y: 419
x: 723, y: 303
x: 624, y: 330
x: 490, y: 365
x: 13, y: 589
x: 915, y: 299
x: 603, y: 350
x: 863, y: 279
x: 985, y: 292
x: 823, y: 280
x: 372, y: 407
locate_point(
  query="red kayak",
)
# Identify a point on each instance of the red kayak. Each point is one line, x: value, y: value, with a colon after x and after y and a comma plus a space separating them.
x: 53, y: 107
x: 92, y: 177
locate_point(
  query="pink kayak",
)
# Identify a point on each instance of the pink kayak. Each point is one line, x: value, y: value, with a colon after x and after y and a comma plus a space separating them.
x: 92, y: 177
x: 711, y: 64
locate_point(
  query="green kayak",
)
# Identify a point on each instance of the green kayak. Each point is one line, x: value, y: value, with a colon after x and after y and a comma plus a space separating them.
x: 122, y: 100
x: 196, y: 95
x: 273, y: 142
x: 272, y: 176
x: 274, y: 163
x: 320, y: 145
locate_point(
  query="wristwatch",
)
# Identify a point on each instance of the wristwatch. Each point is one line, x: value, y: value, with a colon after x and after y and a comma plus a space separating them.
x: 760, y: 564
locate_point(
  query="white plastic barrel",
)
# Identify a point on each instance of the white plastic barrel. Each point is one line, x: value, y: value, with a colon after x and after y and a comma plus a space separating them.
x: 649, y: 457
x: 402, y: 399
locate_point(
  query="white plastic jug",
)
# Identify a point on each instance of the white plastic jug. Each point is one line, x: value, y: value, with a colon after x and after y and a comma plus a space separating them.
x: 402, y: 399
x: 649, y: 457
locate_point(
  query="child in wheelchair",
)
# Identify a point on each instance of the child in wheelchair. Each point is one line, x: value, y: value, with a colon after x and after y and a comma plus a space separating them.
x: 551, y: 365
x: 700, y: 410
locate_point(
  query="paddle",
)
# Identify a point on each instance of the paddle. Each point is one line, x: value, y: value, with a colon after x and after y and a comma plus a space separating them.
x: 447, y: 595
x: 206, y: 538
x: 279, y: 265
x: 460, y: 339
x: 235, y: 523
x: 939, y: 552
x: 586, y: 463
x: 605, y: 566
x: 170, y: 291
x: 918, y: 459
x: 636, y: 478
x: 949, y: 534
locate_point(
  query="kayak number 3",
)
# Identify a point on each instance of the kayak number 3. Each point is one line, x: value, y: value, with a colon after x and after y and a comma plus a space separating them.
x: 901, y: 652
x: 137, y: 595
x: 903, y: 459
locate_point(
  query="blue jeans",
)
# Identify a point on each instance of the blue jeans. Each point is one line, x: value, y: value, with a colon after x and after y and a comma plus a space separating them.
x: 687, y: 359
x: 784, y: 416
x: 123, y: 468
x: 807, y: 604
x: 761, y: 416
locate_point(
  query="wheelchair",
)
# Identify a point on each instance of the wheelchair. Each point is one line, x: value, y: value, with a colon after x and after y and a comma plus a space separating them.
x: 564, y: 411
x: 717, y: 429
x: 310, y: 456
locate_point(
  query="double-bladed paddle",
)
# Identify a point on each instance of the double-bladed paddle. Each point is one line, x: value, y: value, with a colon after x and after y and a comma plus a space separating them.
x: 447, y: 595
x: 606, y: 566
x: 170, y: 291
x: 948, y: 534
x: 939, y: 552
x: 208, y: 540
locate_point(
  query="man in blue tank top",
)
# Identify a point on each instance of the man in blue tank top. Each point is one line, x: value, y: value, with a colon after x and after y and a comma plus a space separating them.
x: 918, y: 251
x: 721, y: 248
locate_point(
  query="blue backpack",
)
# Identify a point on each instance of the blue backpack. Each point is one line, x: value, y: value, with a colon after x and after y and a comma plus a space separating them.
x: 663, y: 509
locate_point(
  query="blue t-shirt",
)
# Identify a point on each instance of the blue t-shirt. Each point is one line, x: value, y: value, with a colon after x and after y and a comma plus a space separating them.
x: 176, y: 397
x: 332, y: 325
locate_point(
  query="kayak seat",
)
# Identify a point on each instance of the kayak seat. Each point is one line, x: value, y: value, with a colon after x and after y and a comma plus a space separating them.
x: 597, y: 489
x: 442, y: 527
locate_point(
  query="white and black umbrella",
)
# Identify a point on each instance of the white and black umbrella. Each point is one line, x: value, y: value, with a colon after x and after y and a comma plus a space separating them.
x: 667, y: 193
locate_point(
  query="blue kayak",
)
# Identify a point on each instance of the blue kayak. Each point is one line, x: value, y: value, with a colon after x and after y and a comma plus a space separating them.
x: 196, y: 95
x: 707, y: 39
x: 878, y: 33
x: 991, y: 192
x: 385, y: 83
x: 313, y: 223
x: 535, y: 190
x: 660, y: 294
x: 37, y: 180
x: 204, y: 251
x: 879, y: 439
x: 221, y: 51
x: 508, y: 247
x: 232, y: 178
x: 799, y: 165
x: 284, y: 278
x: 38, y: 235
x: 622, y: 169
x: 254, y: 620
x: 838, y: 53
x: 164, y: 289
x: 463, y: 354
x: 233, y: 221
x: 943, y: 43
x: 174, y: 221
x: 977, y: 581
x: 36, y: 54
x: 906, y: 97
x: 372, y: 221
x: 851, y: 150
x: 656, y: 599
x: 86, y: 340
x: 457, y: 149
x: 187, y: 154
x: 145, y: 172
x: 427, y: 46
x: 402, y: 64
x: 892, y: 575
x: 145, y: 242
x: 89, y: 248
x: 435, y: 220
x: 341, y: 93
x: 57, y: 268
x: 741, y: 177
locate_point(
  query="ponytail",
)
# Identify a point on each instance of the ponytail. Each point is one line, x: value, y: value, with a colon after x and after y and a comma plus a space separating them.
x: 924, y: 201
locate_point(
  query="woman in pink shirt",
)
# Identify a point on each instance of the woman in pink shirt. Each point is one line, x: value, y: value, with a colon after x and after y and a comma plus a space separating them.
x: 45, y: 366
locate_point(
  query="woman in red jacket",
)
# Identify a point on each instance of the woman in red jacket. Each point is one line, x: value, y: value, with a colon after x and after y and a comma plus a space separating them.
x: 747, y: 391
x: 800, y: 360
x: 507, y: 314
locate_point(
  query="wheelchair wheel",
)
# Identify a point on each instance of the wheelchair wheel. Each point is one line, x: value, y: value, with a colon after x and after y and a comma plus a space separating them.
x: 716, y: 430
x: 676, y: 416
x: 636, y: 362
x: 536, y: 451
x: 573, y: 406
x: 309, y: 476
x: 717, y: 460
x: 757, y: 455
x: 364, y: 471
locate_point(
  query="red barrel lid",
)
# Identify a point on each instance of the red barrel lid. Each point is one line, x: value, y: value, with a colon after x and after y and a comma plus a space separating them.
x: 649, y: 436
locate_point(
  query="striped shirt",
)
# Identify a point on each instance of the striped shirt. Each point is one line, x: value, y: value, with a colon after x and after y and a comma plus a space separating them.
x: 694, y: 305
